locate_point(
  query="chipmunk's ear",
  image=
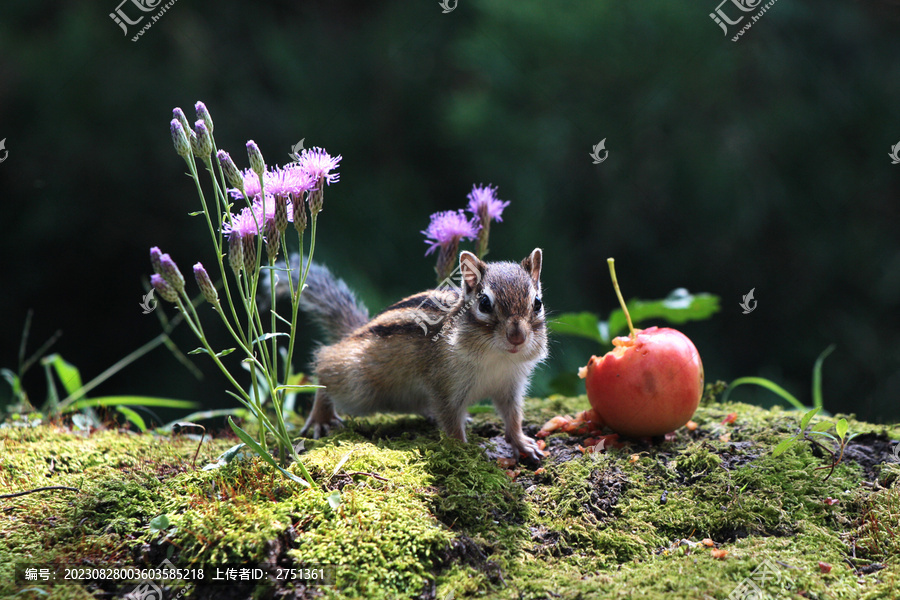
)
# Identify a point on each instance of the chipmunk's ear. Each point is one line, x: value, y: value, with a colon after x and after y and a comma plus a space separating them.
x: 472, y: 270
x: 532, y: 266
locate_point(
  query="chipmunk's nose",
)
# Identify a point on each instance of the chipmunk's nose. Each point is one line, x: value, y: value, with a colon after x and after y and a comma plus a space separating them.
x: 515, y: 334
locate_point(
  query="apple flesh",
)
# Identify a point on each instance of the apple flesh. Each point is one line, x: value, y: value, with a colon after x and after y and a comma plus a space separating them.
x: 647, y: 385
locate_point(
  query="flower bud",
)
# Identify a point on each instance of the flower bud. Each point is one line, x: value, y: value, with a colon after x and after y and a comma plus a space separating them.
x: 171, y: 273
x: 256, y: 159
x: 204, y: 141
x: 154, y: 259
x: 206, y: 285
x: 177, y: 113
x: 232, y: 175
x: 235, y: 252
x: 202, y: 113
x: 180, y: 139
x: 165, y: 291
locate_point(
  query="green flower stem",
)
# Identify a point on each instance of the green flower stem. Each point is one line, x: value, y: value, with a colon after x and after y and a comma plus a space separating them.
x: 301, y: 281
x: 216, y: 238
x: 209, y: 349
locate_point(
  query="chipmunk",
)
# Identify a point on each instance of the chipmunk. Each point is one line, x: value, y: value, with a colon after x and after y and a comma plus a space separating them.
x: 433, y: 353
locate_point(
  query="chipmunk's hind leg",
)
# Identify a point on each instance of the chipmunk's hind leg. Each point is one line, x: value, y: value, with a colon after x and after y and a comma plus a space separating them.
x: 322, y: 418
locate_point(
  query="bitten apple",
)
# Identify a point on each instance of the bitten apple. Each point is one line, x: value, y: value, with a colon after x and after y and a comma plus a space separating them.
x: 649, y: 384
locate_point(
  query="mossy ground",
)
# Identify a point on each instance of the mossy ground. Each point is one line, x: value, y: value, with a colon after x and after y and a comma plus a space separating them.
x: 422, y: 517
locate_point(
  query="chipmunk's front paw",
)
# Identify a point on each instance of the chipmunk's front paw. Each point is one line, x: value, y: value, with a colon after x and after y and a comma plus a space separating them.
x: 526, y: 448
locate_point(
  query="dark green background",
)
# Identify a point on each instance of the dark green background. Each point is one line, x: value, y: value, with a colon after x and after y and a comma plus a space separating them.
x: 758, y: 164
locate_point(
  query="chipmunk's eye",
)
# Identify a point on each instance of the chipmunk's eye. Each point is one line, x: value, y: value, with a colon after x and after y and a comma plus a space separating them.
x: 484, y: 305
x: 538, y: 305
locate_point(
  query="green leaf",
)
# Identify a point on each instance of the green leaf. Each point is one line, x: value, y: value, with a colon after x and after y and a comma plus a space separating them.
x: 783, y: 446
x: 13, y: 380
x: 334, y: 499
x: 821, y: 426
x: 807, y: 418
x: 240, y: 413
x: 245, y: 437
x: 131, y: 400
x: 225, y: 352
x: 159, y: 523
x: 817, y: 376
x: 299, y: 389
x: 841, y: 427
x: 267, y: 336
x: 68, y: 373
x: 765, y: 383
x: 583, y: 324
x: 226, y: 457
x: 679, y: 306
x: 133, y: 417
x: 195, y: 213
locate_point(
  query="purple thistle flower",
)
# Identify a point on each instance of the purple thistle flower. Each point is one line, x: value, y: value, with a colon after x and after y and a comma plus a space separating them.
x: 242, y: 224
x: 486, y: 207
x: 162, y: 287
x: 319, y: 165
x: 448, y: 228
x: 241, y: 233
x: 484, y: 204
x: 280, y: 181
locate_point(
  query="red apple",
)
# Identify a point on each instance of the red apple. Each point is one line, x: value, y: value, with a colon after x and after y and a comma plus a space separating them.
x: 649, y: 384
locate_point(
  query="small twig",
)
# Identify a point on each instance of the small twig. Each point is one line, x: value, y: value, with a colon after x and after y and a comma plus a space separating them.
x: 352, y: 473
x: 185, y: 425
x: 40, y: 489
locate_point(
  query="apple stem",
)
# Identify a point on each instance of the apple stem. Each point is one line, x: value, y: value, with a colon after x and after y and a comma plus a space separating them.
x: 612, y: 273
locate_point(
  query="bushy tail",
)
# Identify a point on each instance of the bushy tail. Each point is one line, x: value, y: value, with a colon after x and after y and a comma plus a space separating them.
x: 331, y: 304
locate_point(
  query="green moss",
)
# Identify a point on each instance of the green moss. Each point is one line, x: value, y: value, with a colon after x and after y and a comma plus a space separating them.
x: 421, y: 515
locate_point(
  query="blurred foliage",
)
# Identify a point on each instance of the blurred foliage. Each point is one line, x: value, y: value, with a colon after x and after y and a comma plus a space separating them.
x: 757, y: 164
